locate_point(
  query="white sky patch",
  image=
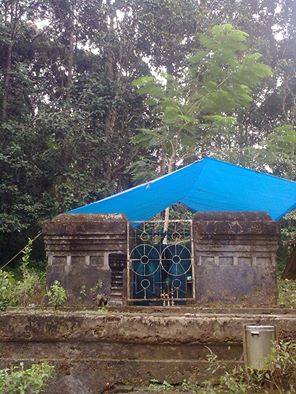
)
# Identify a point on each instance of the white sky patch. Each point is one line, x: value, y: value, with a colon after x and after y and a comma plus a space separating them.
x: 278, y: 32
x: 41, y: 23
x: 157, y: 73
x: 268, y: 169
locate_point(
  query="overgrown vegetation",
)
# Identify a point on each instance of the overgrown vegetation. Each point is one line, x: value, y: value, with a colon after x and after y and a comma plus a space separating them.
x: 21, y: 380
x: 279, y: 375
x: 24, y: 287
x: 6, y: 288
x: 287, y: 293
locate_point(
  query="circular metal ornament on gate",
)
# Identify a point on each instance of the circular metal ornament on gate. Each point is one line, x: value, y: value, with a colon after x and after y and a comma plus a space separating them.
x: 176, y: 260
x: 144, y: 260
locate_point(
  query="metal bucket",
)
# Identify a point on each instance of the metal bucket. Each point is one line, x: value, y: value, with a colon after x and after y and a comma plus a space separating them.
x: 258, y: 344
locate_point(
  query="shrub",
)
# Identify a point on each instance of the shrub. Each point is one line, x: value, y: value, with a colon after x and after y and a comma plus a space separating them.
x: 287, y: 293
x: 18, y: 380
x: 279, y: 375
x: 282, y: 365
x: 26, y: 289
x: 56, y: 294
x: 26, y: 257
x: 6, y: 289
x: 29, y: 287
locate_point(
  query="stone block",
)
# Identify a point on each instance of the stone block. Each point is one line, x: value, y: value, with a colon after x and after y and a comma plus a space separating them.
x: 78, y: 248
x: 235, y: 255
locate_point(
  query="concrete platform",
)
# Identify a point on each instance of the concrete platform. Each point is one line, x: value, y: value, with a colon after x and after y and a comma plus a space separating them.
x: 95, y: 351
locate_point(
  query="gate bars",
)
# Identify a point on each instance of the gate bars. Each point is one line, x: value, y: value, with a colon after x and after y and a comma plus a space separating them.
x: 160, y: 265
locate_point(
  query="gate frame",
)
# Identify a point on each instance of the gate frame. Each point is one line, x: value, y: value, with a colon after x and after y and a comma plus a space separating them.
x: 128, y: 276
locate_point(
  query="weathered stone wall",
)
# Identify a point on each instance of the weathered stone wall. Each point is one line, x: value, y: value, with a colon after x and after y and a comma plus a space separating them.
x: 235, y: 258
x: 93, y: 352
x: 78, y: 247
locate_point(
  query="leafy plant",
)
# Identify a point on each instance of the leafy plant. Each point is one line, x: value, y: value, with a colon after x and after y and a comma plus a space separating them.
x: 30, y: 284
x: 18, y: 380
x: 27, y: 289
x: 26, y: 257
x: 218, y: 82
x: 6, y: 289
x: 97, y: 288
x: 56, y: 294
x: 155, y: 385
x: 102, y: 310
x: 279, y: 374
x: 287, y: 293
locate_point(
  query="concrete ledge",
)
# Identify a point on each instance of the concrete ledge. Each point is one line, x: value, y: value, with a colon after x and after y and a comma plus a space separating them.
x: 137, y: 328
x: 94, y: 352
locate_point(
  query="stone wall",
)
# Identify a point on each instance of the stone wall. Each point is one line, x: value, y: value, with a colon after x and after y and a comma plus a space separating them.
x: 78, y: 248
x: 94, y: 353
x: 235, y: 258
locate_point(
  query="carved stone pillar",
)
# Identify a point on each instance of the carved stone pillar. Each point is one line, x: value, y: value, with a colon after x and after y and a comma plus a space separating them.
x: 235, y: 258
x: 117, y: 263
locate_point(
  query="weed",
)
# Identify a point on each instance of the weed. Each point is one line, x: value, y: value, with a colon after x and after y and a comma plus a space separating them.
x: 155, y: 385
x: 18, y: 380
x: 6, y: 289
x: 102, y: 310
x: 287, y: 293
x: 279, y: 374
x: 56, y: 294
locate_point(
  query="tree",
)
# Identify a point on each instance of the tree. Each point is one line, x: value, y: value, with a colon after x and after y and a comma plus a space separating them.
x: 71, y: 112
x: 217, y: 81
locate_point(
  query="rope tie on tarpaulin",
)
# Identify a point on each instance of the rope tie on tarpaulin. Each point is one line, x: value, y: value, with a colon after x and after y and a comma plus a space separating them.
x: 15, y: 256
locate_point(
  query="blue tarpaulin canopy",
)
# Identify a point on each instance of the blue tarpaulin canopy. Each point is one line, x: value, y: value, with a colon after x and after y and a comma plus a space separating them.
x: 205, y: 185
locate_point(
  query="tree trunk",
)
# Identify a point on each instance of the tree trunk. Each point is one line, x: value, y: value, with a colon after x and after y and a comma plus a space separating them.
x: 112, y: 75
x: 290, y: 269
x: 70, y: 60
x: 167, y: 210
x: 6, y: 85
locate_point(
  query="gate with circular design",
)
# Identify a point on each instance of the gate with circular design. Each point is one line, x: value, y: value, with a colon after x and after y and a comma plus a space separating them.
x: 160, y: 263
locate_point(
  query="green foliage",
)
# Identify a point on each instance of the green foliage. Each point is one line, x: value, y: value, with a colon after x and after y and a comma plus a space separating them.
x: 155, y: 385
x: 65, y: 143
x: 103, y: 310
x: 218, y: 81
x: 281, y: 150
x: 229, y: 72
x: 279, y: 375
x: 287, y: 293
x: 288, y: 228
x: 6, y: 289
x: 57, y: 295
x: 21, y: 380
x: 28, y: 289
x: 26, y: 257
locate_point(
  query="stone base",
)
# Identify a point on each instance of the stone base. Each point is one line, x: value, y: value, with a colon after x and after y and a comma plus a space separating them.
x: 78, y: 249
x: 235, y: 258
x: 94, y: 352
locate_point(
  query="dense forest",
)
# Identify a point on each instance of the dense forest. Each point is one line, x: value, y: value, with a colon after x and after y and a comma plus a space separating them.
x: 74, y: 124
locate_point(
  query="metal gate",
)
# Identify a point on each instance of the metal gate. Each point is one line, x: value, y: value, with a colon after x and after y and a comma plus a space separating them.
x: 160, y: 263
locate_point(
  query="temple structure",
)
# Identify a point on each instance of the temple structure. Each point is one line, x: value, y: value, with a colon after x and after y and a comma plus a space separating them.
x: 115, y: 251
x: 215, y: 258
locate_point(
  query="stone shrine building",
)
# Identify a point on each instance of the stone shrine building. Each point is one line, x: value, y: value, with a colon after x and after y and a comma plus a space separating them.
x: 115, y: 251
